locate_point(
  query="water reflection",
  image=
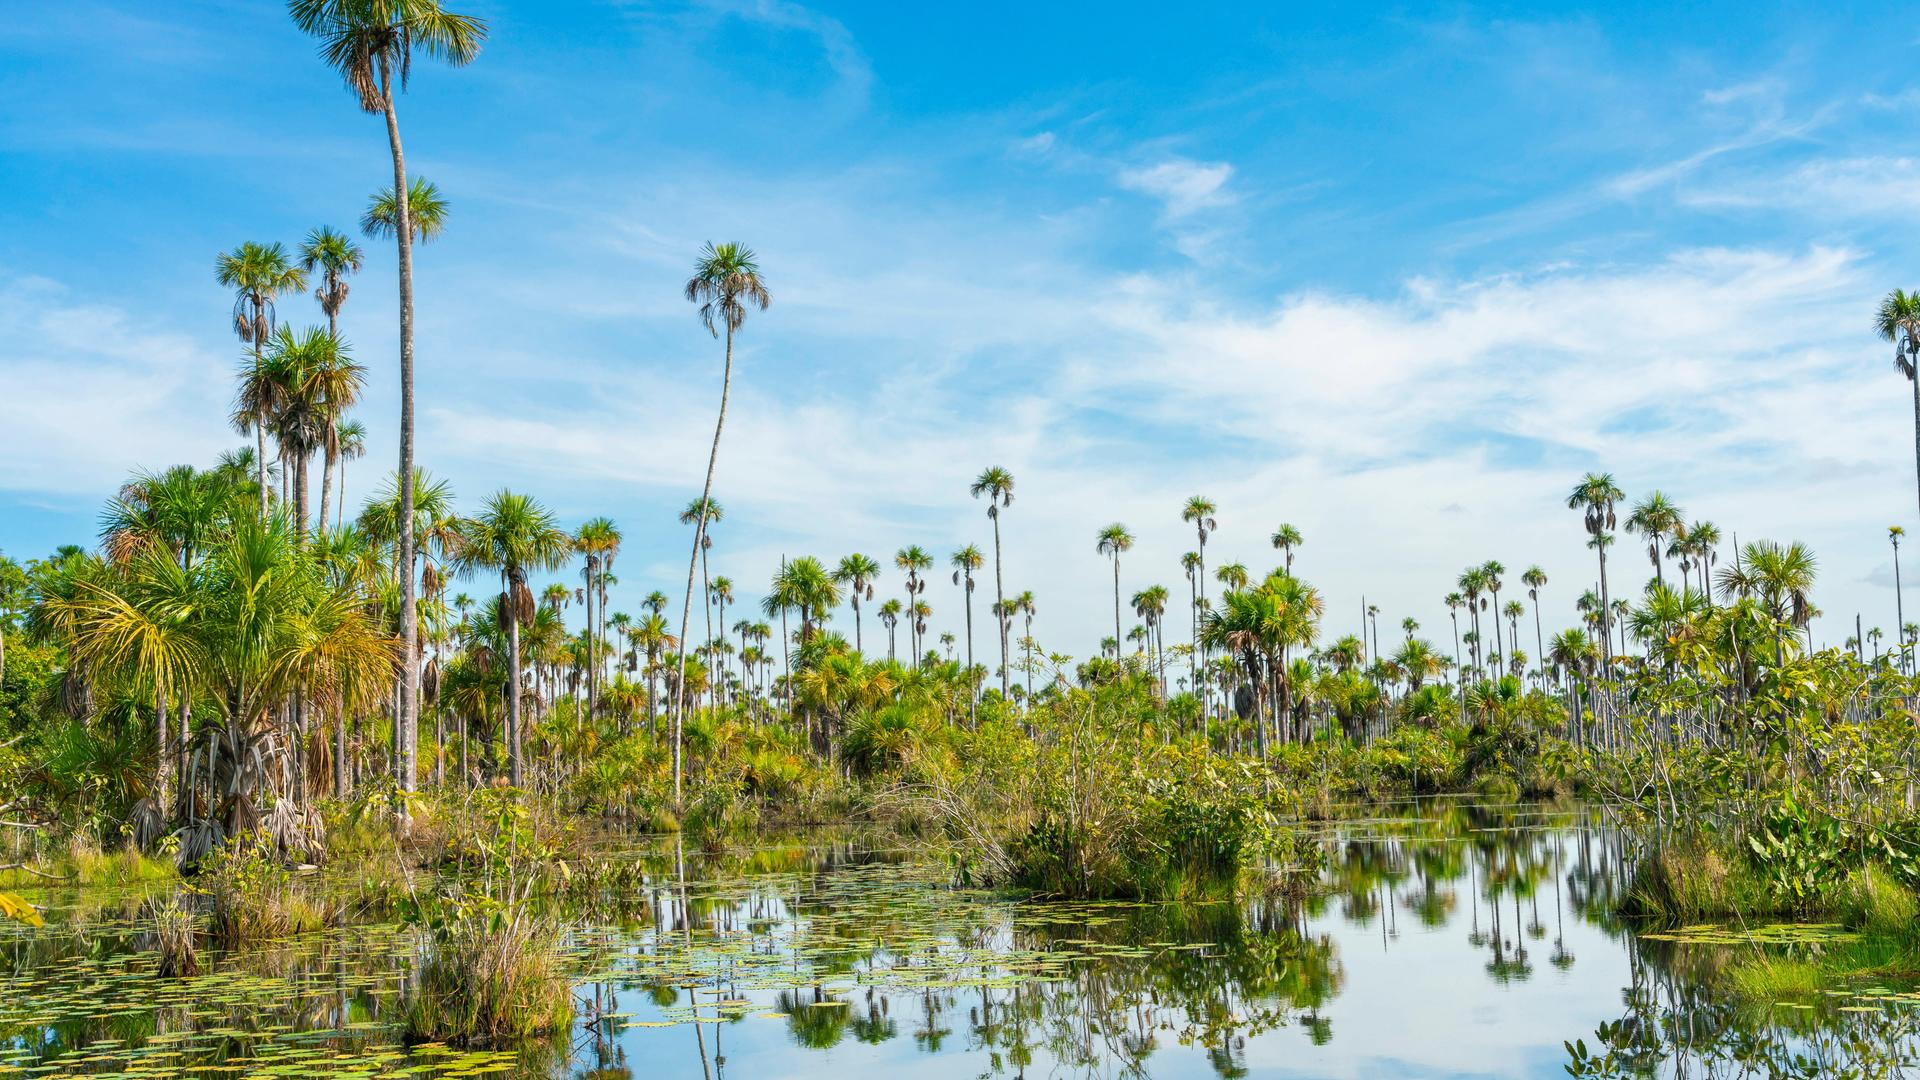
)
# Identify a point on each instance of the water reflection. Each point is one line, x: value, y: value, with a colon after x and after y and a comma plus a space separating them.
x: 1447, y: 938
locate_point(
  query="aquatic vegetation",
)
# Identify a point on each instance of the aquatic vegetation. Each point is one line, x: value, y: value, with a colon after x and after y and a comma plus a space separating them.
x: 255, y: 897
x: 175, y: 936
x: 489, y: 979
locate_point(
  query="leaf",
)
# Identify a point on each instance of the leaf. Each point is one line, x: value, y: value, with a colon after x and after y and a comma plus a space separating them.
x: 19, y: 910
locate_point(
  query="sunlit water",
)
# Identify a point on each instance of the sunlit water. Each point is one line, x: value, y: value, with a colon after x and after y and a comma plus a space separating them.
x: 1453, y: 940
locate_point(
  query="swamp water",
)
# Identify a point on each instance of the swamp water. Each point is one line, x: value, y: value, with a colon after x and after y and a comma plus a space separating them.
x: 1456, y: 940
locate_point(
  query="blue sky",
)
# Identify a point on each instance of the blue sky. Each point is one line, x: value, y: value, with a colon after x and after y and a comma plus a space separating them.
x: 1397, y: 277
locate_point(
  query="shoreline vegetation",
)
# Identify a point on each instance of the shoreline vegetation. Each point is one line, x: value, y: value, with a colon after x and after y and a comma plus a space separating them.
x: 267, y: 712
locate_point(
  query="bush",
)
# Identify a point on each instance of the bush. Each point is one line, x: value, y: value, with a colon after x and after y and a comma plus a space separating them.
x: 489, y: 978
x: 254, y: 896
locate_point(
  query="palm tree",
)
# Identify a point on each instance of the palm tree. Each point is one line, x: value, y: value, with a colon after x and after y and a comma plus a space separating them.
x: 1491, y: 571
x: 726, y: 283
x: 1472, y: 583
x: 1199, y: 512
x: 333, y: 256
x: 371, y: 44
x: 350, y: 437
x: 890, y: 617
x: 1285, y: 539
x: 1150, y: 604
x: 1656, y: 518
x: 1024, y: 604
x: 515, y: 535
x: 258, y: 274
x: 1196, y: 570
x: 858, y: 573
x: 1781, y: 577
x: 911, y: 560
x: 242, y: 628
x: 1454, y: 602
x: 996, y: 484
x: 1894, y: 533
x: 598, y: 542
x: 1535, y: 579
x: 965, y: 561
x: 1595, y: 496
x: 1232, y: 575
x: 1898, y: 320
x: 427, y: 212
x: 1111, y: 541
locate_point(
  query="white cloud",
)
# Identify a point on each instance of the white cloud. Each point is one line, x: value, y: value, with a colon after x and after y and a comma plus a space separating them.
x: 1183, y: 187
x: 1836, y: 187
x: 92, y: 393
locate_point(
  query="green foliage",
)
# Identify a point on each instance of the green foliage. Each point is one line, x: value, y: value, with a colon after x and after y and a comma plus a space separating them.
x: 254, y: 896
x: 492, y: 971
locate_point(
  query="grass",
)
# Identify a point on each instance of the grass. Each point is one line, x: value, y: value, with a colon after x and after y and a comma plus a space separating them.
x: 1874, y: 902
x: 175, y: 937
x: 83, y: 863
x: 490, y: 981
x: 1766, y: 979
x: 1691, y: 880
x: 255, y: 898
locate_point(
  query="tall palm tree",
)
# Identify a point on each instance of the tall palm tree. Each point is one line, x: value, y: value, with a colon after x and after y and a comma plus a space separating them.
x: 258, y: 274
x: 598, y: 542
x: 1150, y: 604
x: 1025, y: 605
x: 1657, y: 519
x: 334, y: 257
x: 726, y: 283
x: 1491, y: 571
x: 428, y: 212
x: 911, y: 560
x: 996, y: 484
x: 858, y: 573
x: 712, y: 513
x: 1285, y: 539
x: 1111, y: 541
x: 1781, y: 577
x: 890, y: 618
x: 1894, y: 534
x: 1595, y: 496
x: 515, y: 535
x: 350, y: 437
x: 1898, y: 320
x: 1196, y: 570
x: 371, y: 44
x: 1535, y: 579
x: 1454, y: 603
x: 1199, y: 512
x: 964, y: 562
x: 1472, y: 583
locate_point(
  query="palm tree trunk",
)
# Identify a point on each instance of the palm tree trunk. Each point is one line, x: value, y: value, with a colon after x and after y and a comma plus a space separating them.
x: 409, y: 611
x: 592, y: 663
x: 1000, y: 601
x: 693, y: 564
x: 516, y: 772
x: 1913, y: 357
x: 970, y: 694
x: 260, y: 413
x: 1539, y: 641
x: 1117, y: 639
x: 859, y: 644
